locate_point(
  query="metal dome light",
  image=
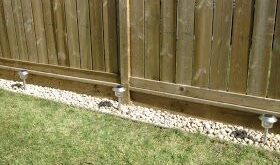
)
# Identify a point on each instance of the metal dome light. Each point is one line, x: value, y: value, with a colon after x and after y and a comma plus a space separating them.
x: 267, y: 123
x: 23, y: 74
x: 119, y: 91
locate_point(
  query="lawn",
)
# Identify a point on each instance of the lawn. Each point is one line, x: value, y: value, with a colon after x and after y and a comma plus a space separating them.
x: 36, y: 131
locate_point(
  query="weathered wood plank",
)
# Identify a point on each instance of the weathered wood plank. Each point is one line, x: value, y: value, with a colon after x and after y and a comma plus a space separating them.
x: 40, y: 31
x: 84, y: 34
x: 274, y: 81
x: 21, y: 40
x: 185, y: 41
x: 261, y: 47
x: 241, y: 34
x: 72, y: 33
x: 137, y: 38
x: 61, y: 32
x: 11, y: 32
x: 97, y: 39
x: 110, y: 36
x: 50, y: 32
x: 3, y: 31
x: 221, y: 44
x: 168, y: 41
x: 207, y: 94
x: 152, y: 39
x: 203, y: 39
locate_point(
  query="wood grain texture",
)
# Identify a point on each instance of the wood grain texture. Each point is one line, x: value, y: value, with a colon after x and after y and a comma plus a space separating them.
x: 84, y: 34
x: 261, y: 47
x: 221, y: 44
x: 152, y: 39
x: 185, y: 41
x: 50, y: 31
x: 3, y: 31
x: 168, y: 41
x: 29, y: 30
x: 21, y: 40
x: 241, y: 34
x: 137, y: 38
x: 11, y: 31
x: 97, y: 39
x: 61, y: 32
x: 39, y: 25
x: 72, y: 33
x: 203, y: 39
x: 110, y: 36
x: 274, y: 81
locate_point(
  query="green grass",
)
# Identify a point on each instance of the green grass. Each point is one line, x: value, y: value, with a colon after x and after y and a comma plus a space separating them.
x: 36, y: 131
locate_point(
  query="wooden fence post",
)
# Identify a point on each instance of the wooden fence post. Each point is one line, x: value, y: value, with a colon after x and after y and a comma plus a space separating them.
x: 124, y: 50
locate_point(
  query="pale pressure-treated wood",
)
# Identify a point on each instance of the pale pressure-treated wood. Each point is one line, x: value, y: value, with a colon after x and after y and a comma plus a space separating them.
x: 40, y: 31
x: 84, y: 34
x: 19, y: 25
x: 137, y: 38
x: 168, y: 41
x: 203, y: 39
x: 29, y: 30
x: 11, y: 31
x: 4, y: 44
x: 50, y: 32
x: 152, y: 39
x: 110, y: 36
x: 185, y: 41
x: 60, y: 31
x: 72, y: 33
x: 241, y: 33
x: 97, y: 39
x: 274, y: 81
x: 261, y: 46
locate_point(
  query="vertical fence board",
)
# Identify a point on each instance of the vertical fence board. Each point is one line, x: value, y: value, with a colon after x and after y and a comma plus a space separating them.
x: 110, y: 35
x: 72, y: 33
x: 261, y: 46
x: 19, y: 25
x: 168, y: 41
x: 97, y: 40
x: 185, y: 41
x: 240, y: 46
x: 84, y: 34
x: 203, y: 38
x: 49, y: 32
x: 221, y: 44
x: 40, y: 31
x: 29, y: 30
x: 3, y: 31
x: 274, y: 81
x: 12, y: 38
x: 60, y: 31
x: 137, y: 38
x: 152, y: 39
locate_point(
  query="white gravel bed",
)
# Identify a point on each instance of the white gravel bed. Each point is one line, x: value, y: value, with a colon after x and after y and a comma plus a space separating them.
x: 227, y: 132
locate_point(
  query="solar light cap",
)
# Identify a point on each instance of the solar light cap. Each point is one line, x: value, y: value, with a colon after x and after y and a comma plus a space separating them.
x: 119, y: 89
x: 268, y: 118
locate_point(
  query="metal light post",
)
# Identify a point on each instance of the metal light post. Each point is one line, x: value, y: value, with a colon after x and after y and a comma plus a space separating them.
x: 23, y: 74
x: 267, y: 123
x: 119, y: 91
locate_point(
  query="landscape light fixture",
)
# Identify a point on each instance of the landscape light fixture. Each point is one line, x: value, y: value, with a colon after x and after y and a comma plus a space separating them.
x: 23, y: 74
x: 267, y: 123
x: 119, y: 91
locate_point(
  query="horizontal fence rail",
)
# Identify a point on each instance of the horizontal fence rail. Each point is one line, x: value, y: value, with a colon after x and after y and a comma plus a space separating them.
x: 216, y: 52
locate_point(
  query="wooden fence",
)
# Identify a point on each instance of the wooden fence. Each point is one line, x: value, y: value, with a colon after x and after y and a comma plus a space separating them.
x: 217, y: 52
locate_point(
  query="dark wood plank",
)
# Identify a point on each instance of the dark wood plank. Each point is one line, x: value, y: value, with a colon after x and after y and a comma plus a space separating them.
x: 97, y: 38
x: 152, y: 39
x: 203, y: 39
x: 274, y: 81
x: 4, y: 36
x: 137, y: 38
x: 241, y: 34
x: 261, y: 47
x: 168, y: 41
x: 185, y: 41
x: 221, y: 44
